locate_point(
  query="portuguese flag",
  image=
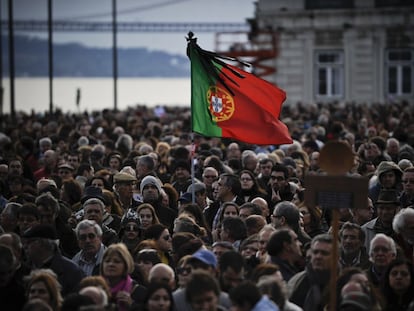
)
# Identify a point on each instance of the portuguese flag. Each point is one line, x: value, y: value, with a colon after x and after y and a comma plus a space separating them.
x: 229, y: 102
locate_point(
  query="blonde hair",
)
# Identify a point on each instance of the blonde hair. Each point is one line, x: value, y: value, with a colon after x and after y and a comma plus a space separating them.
x: 122, y: 251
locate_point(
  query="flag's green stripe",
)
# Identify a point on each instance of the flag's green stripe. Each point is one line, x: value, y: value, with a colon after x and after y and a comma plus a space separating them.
x: 200, y: 83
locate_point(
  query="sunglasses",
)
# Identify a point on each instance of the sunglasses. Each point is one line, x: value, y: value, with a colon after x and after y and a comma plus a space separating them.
x: 184, y: 270
x: 131, y: 228
x: 84, y: 237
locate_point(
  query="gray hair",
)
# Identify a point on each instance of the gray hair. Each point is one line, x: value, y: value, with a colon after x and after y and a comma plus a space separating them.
x: 85, y: 224
x: 390, y: 241
x: 94, y: 201
x: 400, y: 219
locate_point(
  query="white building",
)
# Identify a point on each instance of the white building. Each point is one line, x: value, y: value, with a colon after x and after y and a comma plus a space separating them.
x: 341, y: 50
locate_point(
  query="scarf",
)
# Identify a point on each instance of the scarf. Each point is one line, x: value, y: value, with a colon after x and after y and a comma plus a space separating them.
x: 318, y: 280
x: 124, y: 285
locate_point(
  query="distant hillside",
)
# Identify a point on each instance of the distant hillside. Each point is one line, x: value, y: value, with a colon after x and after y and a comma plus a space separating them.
x: 76, y: 60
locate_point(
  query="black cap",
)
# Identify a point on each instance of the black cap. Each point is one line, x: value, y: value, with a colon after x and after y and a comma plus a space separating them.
x: 92, y: 192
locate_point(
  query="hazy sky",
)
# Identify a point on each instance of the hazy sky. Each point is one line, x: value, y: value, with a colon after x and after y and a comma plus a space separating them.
x: 136, y: 10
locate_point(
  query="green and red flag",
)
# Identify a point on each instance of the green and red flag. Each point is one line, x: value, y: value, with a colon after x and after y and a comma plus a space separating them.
x: 229, y: 102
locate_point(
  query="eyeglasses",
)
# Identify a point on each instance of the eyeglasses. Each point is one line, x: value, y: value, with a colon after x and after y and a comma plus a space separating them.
x: 131, y: 228
x: 84, y: 237
x: 184, y: 270
x: 408, y: 181
x: 275, y: 216
x: 278, y: 178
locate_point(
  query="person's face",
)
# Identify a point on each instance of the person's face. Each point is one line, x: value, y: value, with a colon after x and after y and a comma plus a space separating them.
x: 295, y: 245
x: 266, y: 169
x: 246, y: 181
x: 364, y: 214
x: 146, y: 218
x: 126, y: 190
x: 250, y: 250
x: 150, y: 193
x: 231, y: 278
x: 26, y: 221
x: 360, y: 278
x: 39, y: 290
x: 65, y: 174
x: 222, y: 190
x: 113, y: 266
x: 408, y: 183
x: 131, y: 231
x: 89, y: 241
x: 306, y: 217
x: 276, y: 219
x: 207, y: 301
x: 182, y: 173
x: 400, y: 278
x: 114, y: 164
x: 99, y: 183
x: 183, y: 272
x: 219, y: 250
x: 407, y: 230
x: 93, y: 212
x: 388, y: 179
x: 4, y: 171
x: 350, y: 242
x: 15, y: 168
x: 209, y: 176
x: 215, y: 188
x: 386, y: 212
x: 321, y: 255
x: 224, y: 236
x: 277, y: 180
x: 46, y: 215
x: 31, y: 248
x: 263, y: 239
x: 74, y: 161
x: 230, y: 211
x: 244, y: 213
x: 165, y: 241
x: 159, y: 301
x: 381, y: 253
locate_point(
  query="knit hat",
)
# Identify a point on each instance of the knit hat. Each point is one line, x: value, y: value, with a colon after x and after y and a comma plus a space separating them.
x: 150, y: 180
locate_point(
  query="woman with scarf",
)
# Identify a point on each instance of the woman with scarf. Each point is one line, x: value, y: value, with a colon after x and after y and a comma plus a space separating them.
x: 117, y: 265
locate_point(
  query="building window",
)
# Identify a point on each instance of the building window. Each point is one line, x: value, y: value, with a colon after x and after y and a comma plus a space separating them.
x: 329, y: 71
x: 399, y: 72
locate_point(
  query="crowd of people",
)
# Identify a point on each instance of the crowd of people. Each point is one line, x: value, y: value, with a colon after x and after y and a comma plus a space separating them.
x: 130, y: 210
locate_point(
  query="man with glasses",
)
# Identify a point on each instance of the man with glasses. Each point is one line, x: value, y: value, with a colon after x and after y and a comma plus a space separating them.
x: 407, y: 195
x: 281, y: 190
x: 382, y: 252
x: 89, y: 258
x: 305, y: 288
x: 210, y: 174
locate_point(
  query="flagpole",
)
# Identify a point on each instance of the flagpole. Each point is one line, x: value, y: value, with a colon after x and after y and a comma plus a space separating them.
x: 192, y: 168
